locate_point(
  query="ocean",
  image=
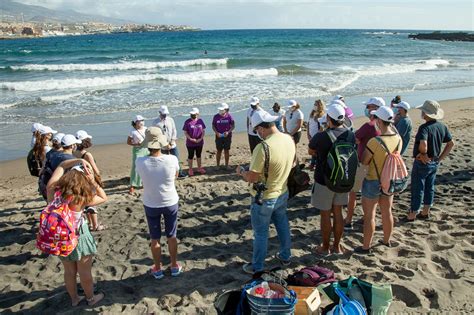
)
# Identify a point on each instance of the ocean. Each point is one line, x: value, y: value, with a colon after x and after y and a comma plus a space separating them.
x: 100, y: 82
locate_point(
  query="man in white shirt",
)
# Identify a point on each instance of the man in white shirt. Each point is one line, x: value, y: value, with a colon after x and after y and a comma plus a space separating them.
x: 166, y: 123
x: 158, y: 173
x: 254, y: 139
x: 293, y: 122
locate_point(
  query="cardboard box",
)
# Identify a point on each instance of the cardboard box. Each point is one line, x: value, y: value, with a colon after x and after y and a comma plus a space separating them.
x: 308, y: 300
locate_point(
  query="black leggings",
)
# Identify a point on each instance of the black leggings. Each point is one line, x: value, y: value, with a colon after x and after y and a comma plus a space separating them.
x: 191, y: 151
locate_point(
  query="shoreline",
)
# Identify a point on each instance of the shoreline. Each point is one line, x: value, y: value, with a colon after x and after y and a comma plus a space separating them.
x: 16, y: 146
x: 109, y: 154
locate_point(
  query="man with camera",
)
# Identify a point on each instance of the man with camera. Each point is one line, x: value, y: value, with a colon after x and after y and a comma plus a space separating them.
x: 270, y: 166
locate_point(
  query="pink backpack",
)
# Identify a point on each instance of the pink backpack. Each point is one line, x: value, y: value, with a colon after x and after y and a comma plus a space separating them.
x: 394, y: 176
x: 57, y: 234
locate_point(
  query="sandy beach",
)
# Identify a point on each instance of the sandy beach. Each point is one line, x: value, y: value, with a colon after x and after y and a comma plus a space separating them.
x: 431, y: 269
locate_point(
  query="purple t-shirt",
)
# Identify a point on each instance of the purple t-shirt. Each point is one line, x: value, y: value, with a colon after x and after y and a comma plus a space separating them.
x: 195, y: 129
x: 349, y: 113
x: 223, y: 123
x: 364, y: 134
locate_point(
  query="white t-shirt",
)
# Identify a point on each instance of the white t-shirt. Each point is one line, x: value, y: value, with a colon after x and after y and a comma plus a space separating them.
x: 292, y: 119
x: 158, y: 176
x: 313, y: 126
x: 250, y: 113
x: 137, y: 135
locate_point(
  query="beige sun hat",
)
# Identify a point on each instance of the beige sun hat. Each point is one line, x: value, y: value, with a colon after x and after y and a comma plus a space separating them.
x: 432, y: 109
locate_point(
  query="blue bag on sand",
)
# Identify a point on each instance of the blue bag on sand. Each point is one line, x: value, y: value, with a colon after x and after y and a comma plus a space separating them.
x: 347, y: 306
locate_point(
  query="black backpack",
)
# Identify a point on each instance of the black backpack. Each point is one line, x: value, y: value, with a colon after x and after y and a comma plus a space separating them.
x: 34, y: 165
x: 341, y: 164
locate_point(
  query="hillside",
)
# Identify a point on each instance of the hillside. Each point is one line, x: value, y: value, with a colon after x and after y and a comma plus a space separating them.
x: 11, y: 11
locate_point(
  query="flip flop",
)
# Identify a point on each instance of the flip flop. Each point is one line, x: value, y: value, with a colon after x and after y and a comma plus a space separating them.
x: 406, y: 220
x: 93, y: 301
x: 389, y: 244
x: 362, y: 251
x: 100, y: 227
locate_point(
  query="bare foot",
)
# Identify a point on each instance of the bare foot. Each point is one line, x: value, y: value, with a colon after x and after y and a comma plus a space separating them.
x: 131, y: 191
x: 95, y: 299
x: 339, y: 250
x: 78, y: 300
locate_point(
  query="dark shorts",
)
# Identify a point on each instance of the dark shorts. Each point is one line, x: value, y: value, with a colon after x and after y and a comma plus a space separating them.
x: 297, y: 137
x: 90, y: 210
x: 194, y: 150
x: 153, y: 217
x: 223, y: 143
x: 253, y: 141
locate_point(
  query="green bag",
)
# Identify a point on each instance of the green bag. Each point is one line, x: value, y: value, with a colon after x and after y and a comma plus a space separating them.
x: 377, y: 298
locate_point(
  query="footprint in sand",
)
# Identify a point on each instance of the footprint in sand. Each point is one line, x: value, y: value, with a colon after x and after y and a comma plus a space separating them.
x: 431, y: 295
x: 405, y: 295
x: 444, y: 268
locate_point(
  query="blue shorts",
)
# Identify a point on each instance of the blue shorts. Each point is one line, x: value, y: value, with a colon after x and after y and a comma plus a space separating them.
x: 371, y: 189
x: 153, y: 217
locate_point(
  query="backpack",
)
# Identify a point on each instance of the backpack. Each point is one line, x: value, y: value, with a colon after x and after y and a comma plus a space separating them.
x: 394, y: 176
x: 298, y: 180
x: 341, y: 164
x: 311, y: 276
x: 57, y: 234
x: 34, y: 165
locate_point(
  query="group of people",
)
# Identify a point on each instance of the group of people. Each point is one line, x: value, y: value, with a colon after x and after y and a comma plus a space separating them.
x: 194, y: 130
x: 387, y: 131
x: 273, y: 139
x: 69, y: 175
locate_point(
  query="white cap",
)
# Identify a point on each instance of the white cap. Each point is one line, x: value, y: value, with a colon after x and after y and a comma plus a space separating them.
x: 164, y: 110
x: 384, y: 112
x: 58, y: 137
x: 292, y: 103
x: 138, y: 118
x: 403, y: 105
x: 336, y: 112
x: 69, y: 140
x: 338, y: 102
x: 35, y: 127
x: 46, y: 129
x: 377, y: 101
x: 338, y: 97
x: 261, y: 116
x: 194, y: 111
x: 82, y: 134
x: 223, y: 106
x: 254, y: 101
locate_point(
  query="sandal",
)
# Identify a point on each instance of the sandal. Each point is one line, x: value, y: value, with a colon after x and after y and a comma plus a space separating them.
x: 99, y: 228
x: 362, y: 251
x: 389, y: 244
x: 422, y: 216
x: 96, y: 299
x: 81, y: 298
x: 176, y: 271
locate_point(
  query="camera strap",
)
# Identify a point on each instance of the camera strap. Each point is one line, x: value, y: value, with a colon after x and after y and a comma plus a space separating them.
x: 266, y: 165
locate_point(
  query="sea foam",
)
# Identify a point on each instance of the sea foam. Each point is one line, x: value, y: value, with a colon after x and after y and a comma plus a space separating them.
x: 206, y: 75
x: 138, y: 65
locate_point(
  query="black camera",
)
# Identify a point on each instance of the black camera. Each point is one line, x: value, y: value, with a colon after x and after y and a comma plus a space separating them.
x: 259, y: 188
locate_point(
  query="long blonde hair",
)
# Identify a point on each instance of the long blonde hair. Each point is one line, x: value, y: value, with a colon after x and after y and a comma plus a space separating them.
x: 75, y: 185
x: 40, y: 143
x: 318, y: 113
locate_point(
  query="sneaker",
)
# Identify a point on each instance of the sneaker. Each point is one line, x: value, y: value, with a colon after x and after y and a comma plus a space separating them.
x: 248, y: 268
x: 284, y: 262
x: 182, y: 174
x: 190, y: 172
x: 348, y: 226
x: 158, y: 274
x: 202, y: 171
x: 176, y: 271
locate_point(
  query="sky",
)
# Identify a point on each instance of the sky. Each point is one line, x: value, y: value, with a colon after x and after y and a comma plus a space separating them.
x: 256, y: 14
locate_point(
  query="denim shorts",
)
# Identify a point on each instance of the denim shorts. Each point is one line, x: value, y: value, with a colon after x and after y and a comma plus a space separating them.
x: 371, y: 189
x: 153, y: 217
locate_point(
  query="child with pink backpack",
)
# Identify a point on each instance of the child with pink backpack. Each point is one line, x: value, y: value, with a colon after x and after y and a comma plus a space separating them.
x: 386, y: 176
